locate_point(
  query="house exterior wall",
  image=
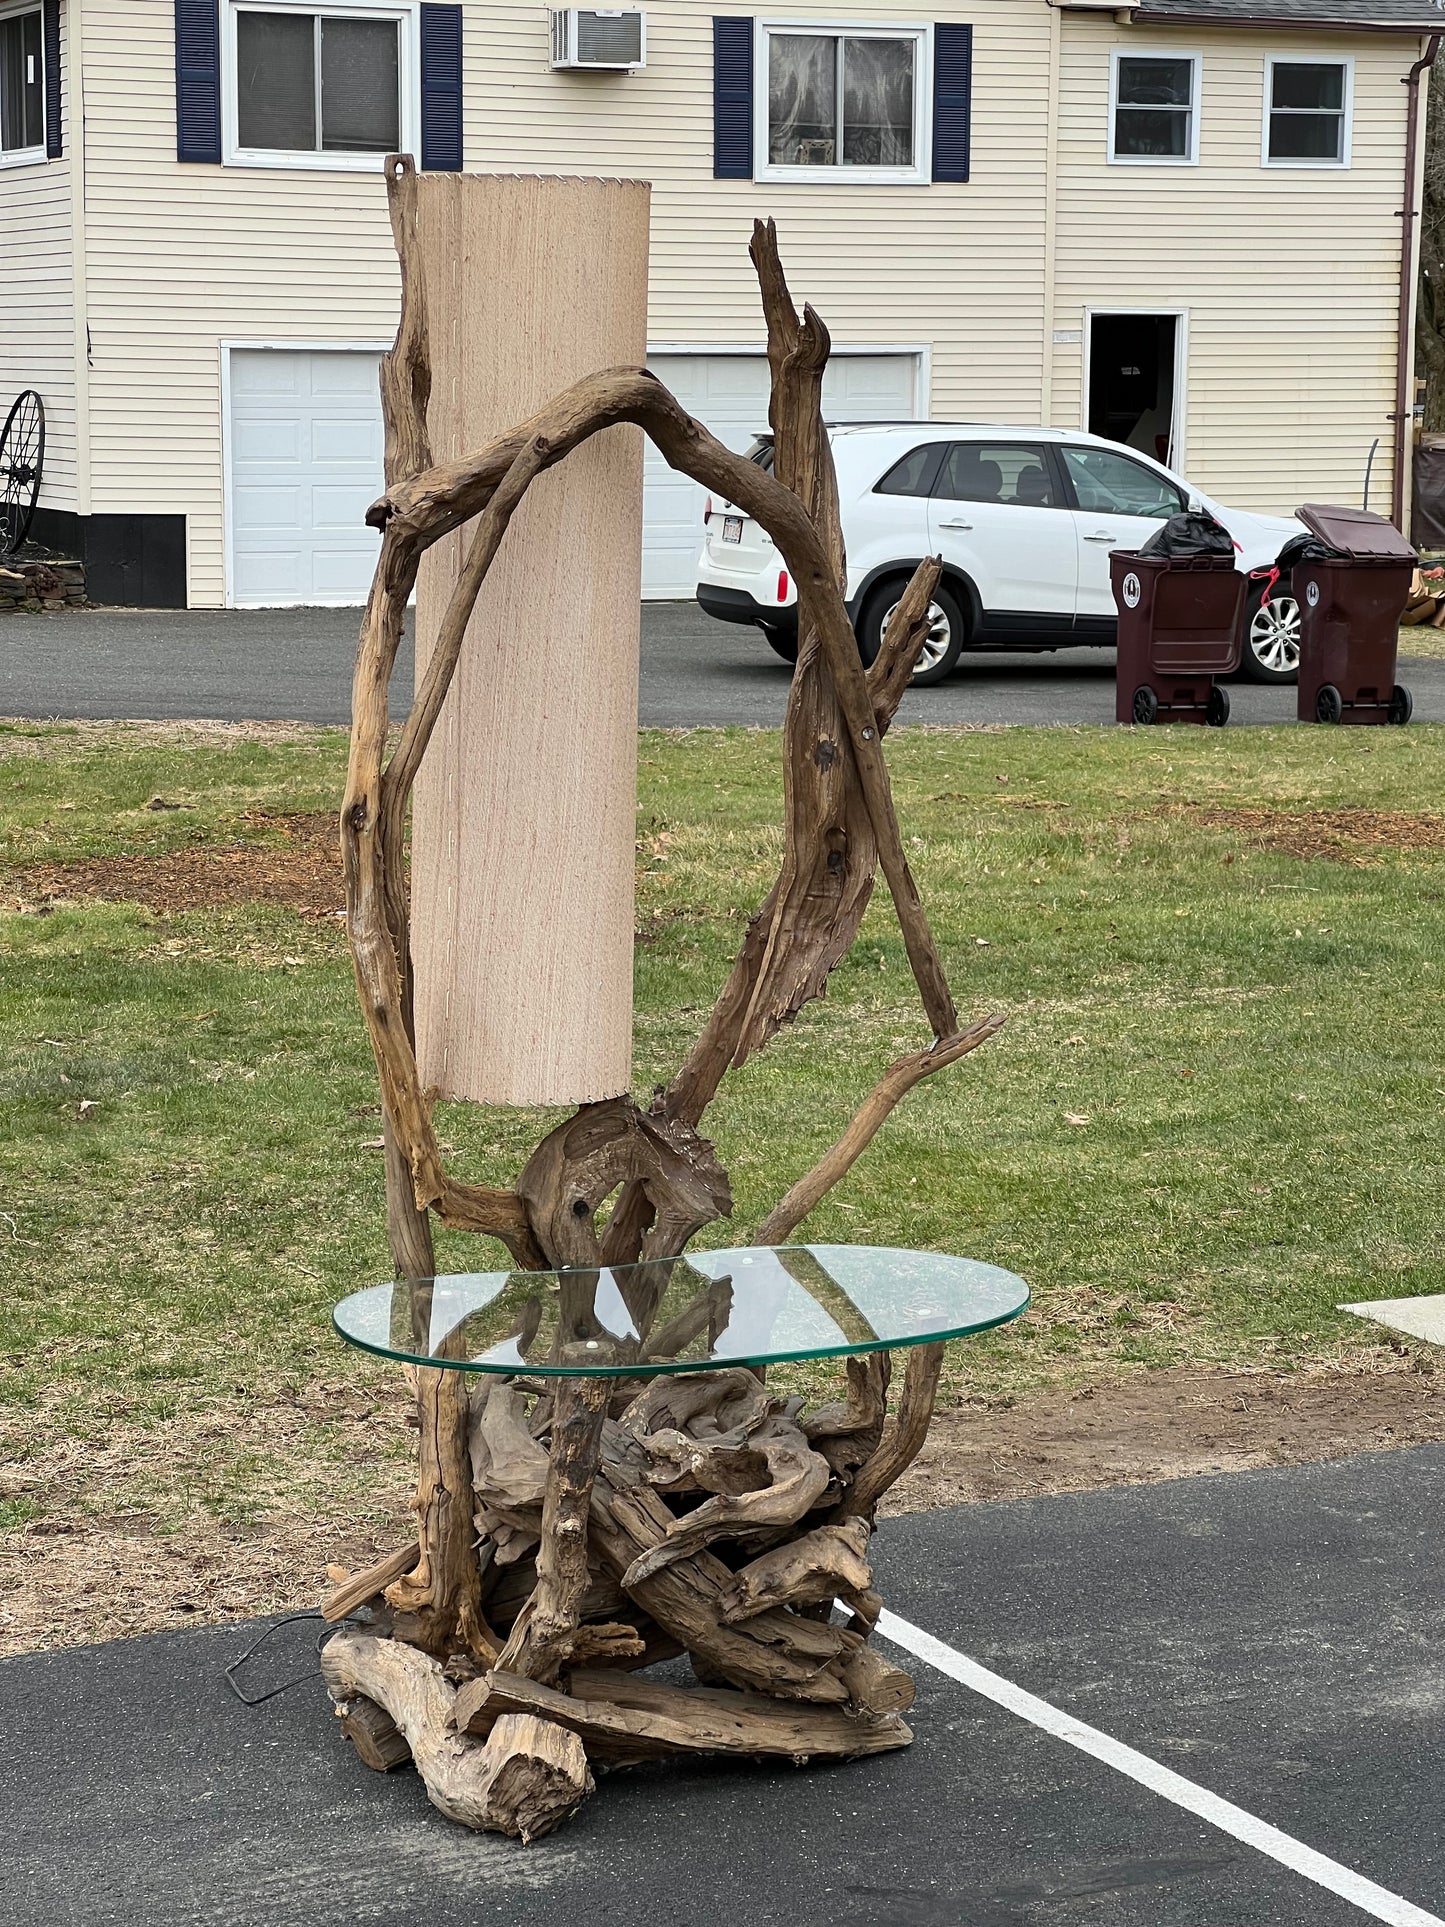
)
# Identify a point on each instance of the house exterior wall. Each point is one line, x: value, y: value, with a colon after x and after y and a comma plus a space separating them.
x: 37, y: 306
x: 180, y: 258
x: 1290, y: 276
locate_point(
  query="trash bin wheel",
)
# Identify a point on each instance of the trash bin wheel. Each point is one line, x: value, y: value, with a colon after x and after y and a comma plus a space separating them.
x: 1216, y: 710
x: 1329, y: 704
x: 1402, y: 705
x: 1146, y: 704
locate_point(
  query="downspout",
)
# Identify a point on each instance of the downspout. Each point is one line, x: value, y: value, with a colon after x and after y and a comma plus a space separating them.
x: 1404, y: 359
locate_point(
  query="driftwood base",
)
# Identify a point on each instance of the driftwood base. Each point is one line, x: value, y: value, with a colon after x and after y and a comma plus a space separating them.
x: 708, y: 1518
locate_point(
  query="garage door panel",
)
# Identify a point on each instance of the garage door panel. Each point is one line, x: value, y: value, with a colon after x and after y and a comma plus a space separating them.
x: 729, y: 395
x: 337, y: 443
x: 343, y: 510
x: 306, y: 463
x: 351, y: 374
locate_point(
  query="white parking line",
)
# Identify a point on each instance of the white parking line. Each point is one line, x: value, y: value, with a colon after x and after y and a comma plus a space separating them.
x: 1169, y: 1785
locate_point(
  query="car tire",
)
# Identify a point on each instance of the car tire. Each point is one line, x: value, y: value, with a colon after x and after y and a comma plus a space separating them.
x: 1270, y: 648
x: 782, y: 642
x: 947, y: 634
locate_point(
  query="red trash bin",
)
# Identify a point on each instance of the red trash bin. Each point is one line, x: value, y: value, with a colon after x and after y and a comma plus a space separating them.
x: 1350, y: 610
x: 1180, y: 626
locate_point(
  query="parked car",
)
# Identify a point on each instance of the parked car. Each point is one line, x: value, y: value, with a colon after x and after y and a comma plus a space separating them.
x: 1025, y: 520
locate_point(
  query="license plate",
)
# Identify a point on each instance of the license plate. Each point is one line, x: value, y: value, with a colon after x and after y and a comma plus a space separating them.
x: 732, y: 528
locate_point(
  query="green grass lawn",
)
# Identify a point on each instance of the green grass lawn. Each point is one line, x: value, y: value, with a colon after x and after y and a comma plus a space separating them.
x: 1215, y: 1110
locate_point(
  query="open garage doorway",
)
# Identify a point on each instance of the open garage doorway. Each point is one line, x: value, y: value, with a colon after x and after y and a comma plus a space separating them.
x: 1135, y: 381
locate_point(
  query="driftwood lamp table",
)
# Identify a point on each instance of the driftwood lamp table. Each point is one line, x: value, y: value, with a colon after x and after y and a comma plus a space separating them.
x: 642, y: 1492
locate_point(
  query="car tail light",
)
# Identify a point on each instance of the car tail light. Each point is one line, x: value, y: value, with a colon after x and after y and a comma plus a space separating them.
x: 782, y: 585
x: 707, y: 511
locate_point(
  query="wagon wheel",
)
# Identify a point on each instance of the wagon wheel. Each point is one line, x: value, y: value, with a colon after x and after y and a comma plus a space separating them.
x: 22, y: 457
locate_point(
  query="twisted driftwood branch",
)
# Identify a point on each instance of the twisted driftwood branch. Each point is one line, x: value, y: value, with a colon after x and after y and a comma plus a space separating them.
x: 581, y: 1556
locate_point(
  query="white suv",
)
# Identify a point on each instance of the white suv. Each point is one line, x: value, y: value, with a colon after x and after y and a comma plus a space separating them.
x: 1025, y: 520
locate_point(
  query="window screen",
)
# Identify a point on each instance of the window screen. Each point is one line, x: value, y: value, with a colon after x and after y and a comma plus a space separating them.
x: 276, y: 81
x: 22, y: 82
x: 840, y: 101
x: 315, y: 82
x: 1307, y: 111
x: 1154, y: 109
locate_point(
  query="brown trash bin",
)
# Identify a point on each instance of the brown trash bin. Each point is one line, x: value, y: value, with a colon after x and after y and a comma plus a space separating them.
x: 1350, y: 610
x: 1180, y: 626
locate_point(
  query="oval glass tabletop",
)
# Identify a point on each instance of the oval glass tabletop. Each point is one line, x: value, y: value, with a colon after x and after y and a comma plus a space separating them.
x: 754, y: 1306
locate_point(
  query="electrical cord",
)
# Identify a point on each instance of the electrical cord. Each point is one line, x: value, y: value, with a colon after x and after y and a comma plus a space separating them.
x: 287, y: 1619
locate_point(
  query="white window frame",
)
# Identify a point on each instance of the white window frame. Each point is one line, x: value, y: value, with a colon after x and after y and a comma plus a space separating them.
x: 835, y: 174
x: 407, y: 13
x: 1196, y: 60
x: 29, y: 156
x: 1347, y: 61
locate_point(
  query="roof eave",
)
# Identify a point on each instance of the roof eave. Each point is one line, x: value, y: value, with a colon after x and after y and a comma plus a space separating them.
x: 1275, y: 23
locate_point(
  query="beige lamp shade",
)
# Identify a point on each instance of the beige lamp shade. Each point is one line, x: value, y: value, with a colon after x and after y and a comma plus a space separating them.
x: 524, y: 814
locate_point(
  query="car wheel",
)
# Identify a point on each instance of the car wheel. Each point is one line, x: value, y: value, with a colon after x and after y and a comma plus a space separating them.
x: 782, y: 642
x: 1271, y: 635
x: 943, y: 644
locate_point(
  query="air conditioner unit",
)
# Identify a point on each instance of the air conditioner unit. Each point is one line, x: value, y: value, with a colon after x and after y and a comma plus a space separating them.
x: 605, y: 40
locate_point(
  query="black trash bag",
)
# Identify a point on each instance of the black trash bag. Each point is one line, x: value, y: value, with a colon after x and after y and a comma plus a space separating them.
x: 1194, y: 533
x: 1305, y: 547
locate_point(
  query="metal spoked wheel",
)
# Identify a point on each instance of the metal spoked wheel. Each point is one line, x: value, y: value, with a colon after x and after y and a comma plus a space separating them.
x: 1272, y: 638
x: 942, y: 645
x: 22, y: 458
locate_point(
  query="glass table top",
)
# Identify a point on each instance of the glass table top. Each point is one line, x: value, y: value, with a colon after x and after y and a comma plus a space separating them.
x: 752, y: 1306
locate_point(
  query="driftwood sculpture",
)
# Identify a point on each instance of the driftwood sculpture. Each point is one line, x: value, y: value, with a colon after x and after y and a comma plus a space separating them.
x: 572, y: 1534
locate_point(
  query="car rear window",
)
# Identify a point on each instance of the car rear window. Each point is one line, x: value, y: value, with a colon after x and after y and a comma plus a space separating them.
x: 914, y: 474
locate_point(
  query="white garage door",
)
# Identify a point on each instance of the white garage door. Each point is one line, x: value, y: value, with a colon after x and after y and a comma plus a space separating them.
x: 306, y: 464
x: 729, y: 395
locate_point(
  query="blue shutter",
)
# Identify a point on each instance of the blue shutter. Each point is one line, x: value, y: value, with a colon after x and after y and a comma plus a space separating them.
x: 952, y: 100
x: 50, y: 32
x: 732, y: 98
x: 441, y: 88
x: 198, y: 81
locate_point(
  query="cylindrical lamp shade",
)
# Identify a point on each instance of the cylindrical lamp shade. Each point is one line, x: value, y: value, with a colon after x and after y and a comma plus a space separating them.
x: 524, y: 813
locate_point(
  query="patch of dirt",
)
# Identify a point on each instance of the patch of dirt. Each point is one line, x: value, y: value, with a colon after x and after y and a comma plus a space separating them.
x: 97, y: 1565
x: 131, y: 1534
x: 300, y: 872
x: 1174, y: 1424
x: 1345, y: 835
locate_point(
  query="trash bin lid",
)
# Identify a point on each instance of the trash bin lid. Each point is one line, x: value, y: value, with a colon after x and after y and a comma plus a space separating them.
x: 1357, y: 532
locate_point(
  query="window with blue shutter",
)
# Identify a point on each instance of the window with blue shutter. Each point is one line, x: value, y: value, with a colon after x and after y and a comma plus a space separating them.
x: 952, y: 100
x: 198, y: 80
x: 441, y: 88
x: 732, y: 98
x: 50, y: 29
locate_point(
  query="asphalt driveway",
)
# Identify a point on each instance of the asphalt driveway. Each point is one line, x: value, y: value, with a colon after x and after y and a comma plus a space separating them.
x: 249, y: 665
x: 1276, y: 1638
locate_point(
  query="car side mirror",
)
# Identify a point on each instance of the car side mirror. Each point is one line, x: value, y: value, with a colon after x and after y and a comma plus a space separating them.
x: 1196, y: 505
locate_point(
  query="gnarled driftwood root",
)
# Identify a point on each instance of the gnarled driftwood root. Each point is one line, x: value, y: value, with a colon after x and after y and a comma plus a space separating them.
x: 525, y: 1779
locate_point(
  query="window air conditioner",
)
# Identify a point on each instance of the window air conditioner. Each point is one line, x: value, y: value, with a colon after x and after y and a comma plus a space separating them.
x: 600, y: 39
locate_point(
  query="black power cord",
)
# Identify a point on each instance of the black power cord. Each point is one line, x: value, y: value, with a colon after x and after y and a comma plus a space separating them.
x: 288, y: 1619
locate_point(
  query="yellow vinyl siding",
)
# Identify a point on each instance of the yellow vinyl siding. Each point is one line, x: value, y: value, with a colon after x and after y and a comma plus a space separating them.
x: 37, y: 311
x: 1290, y: 276
x: 182, y: 257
